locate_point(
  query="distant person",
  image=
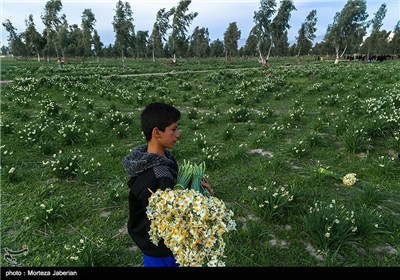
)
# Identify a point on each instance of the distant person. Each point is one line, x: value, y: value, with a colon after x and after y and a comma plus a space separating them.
x: 60, y: 63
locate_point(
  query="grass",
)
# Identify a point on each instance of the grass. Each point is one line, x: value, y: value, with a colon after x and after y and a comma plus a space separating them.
x: 263, y: 133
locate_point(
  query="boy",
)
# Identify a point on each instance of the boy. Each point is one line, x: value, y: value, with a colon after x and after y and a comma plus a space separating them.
x: 152, y: 166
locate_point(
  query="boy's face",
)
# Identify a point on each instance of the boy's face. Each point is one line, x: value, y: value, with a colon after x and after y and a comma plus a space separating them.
x: 170, y: 135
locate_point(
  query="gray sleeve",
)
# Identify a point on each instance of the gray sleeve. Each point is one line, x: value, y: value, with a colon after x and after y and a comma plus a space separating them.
x: 161, y: 171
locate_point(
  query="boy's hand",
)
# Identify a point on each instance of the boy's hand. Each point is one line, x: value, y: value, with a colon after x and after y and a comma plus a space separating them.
x: 206, y: 184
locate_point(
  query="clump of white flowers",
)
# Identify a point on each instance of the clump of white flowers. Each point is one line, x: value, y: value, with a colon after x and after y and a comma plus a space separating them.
x: 349, y: 179
x: 191, y: 224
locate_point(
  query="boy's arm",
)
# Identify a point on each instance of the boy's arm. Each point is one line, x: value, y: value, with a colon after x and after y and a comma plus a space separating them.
x: 163, y: 179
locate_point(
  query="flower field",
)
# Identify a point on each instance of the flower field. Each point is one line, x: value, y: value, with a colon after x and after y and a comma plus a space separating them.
x: 264, y: 134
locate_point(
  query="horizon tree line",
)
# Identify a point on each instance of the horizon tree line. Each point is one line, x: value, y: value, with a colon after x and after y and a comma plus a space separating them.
x: 169, y: 37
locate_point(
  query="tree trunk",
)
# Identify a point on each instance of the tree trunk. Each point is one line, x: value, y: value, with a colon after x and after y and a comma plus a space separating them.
x: 345, y: 48
x: 298, y: 56
x: 263, y: 61
x: 337, y: 55
x: 47, y: 54
x: 269, y: 53
x: 123, y: 58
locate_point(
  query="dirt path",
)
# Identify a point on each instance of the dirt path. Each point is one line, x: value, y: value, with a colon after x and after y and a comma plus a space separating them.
x: 173, y: 72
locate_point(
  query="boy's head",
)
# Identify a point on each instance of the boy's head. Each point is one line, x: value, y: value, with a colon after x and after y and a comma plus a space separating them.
x: 158, y: 115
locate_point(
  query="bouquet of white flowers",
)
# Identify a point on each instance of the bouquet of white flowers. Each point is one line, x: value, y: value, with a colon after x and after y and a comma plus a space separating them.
x: 192, y: 224
x: 348, y: 180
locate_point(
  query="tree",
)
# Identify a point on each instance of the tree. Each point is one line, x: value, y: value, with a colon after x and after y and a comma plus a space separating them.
x: 377, y: 40
x: 123, y: 28
x: 17, y: 46
x: 322, y: 48
x: 75, y: 42
x: 97, y: 44
x: 250, y: 47
x: 231, y: 38
x: 348, y: 27
x: 217, y: 48
x: 181, y: 20
x: 109, y: 51
x: 263, y: 29
x: 307, y: 34
x: 88, y: 21
x: 160, y: 28
x: 5, y: 50
x: 199, y: 43
x: 394, y: 43
x: 141, y: 43
x: 280, y: 25
x: 33, y: 40
x: 63, y: 37
x: 51, y: 21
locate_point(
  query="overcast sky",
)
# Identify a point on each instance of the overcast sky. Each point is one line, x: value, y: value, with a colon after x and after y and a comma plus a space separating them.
x: 215, y: 15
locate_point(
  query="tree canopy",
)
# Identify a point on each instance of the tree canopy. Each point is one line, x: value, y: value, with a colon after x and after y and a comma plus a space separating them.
x: 348, y: 33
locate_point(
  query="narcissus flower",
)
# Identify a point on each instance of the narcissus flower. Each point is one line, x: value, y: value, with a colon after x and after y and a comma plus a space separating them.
x: 349, y: 179
x: 191, y: 224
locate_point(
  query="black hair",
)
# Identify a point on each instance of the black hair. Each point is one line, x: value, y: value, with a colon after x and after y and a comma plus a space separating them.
x: 158, y: 115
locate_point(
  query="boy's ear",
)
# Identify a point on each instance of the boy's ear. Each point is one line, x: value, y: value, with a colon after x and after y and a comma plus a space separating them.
x: 155, y: 132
